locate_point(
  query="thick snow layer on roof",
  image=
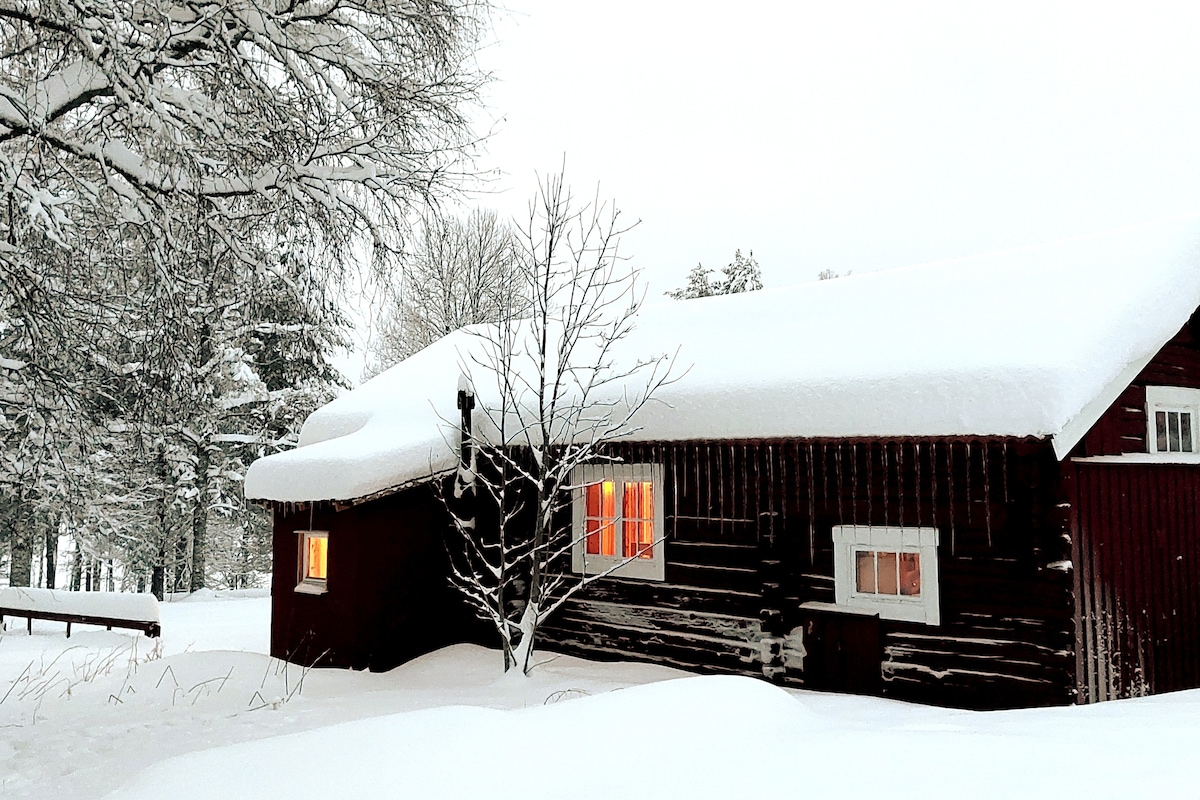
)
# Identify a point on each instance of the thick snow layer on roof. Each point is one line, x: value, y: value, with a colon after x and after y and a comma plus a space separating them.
x: 1027, y: 342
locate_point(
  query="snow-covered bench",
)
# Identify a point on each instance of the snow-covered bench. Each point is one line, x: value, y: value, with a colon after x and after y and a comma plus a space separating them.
x: 112, y: 610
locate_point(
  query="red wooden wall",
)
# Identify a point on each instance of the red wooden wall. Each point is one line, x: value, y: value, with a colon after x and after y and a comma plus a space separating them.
x: 388, y: 597
x: 1135, y: 530
x: 1137, y: 558
x: 1123, y: 427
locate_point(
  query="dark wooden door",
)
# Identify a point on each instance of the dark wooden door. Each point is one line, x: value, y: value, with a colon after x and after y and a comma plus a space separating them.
x: 844, y: 653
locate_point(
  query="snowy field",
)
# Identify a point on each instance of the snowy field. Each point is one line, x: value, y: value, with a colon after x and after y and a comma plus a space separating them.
x: 207, y: 714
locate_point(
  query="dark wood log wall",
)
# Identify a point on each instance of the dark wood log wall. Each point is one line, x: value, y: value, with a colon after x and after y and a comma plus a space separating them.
x: 1137, y: 555
x: 749, y: 550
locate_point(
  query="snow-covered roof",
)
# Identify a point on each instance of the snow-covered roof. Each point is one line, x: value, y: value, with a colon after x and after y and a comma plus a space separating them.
x: 1035, y: 341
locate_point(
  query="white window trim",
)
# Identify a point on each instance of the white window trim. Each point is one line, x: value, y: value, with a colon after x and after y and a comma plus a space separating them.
x: 306, y: 585
x: 847, y: 539
x: 653, y: 569
x: 1171, y: 398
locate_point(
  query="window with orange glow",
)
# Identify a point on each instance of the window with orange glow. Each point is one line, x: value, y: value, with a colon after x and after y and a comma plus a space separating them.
x: 600, y: 518
x: 318, y: 549
x: 883, y: 572
x: 314, y: 561
x: 889, y: 571
x: 618, y: 517
x: 637, y: 515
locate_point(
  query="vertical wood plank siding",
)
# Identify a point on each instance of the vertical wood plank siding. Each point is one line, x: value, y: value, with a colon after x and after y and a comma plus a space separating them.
x: 749, y: 543
x: 1138, y: 559
x: 388, y: 599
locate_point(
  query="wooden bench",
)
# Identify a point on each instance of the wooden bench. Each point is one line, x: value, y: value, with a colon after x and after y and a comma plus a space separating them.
x: 130, y: 611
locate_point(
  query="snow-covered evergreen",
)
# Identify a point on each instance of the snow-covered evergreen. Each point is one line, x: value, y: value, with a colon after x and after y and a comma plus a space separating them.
x: 740, y: 275
x: 183, y: 193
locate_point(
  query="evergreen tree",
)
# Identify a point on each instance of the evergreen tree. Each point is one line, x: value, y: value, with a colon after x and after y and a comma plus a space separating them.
x: 157, y: 162
x: 740, y: 275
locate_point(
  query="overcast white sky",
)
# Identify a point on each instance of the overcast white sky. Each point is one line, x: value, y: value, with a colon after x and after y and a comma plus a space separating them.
x: 848, y: 135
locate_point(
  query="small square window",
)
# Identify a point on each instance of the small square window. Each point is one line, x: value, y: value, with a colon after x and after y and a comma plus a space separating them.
x: 888, y: 571
x: 1171, y: 413
x: 314, y: 562
x: 619, y: 520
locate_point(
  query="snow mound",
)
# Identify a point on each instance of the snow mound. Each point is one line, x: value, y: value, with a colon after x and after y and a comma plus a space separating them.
x: 647, y: 733
x: 1034, y: 341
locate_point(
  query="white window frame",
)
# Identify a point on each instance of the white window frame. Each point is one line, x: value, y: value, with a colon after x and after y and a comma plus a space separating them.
x: 1171, y: 398
x: 305, y: 584
x: 850, y: 539
x: 618, y: 566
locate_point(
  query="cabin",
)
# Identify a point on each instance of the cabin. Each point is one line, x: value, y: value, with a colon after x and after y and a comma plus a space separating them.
x: 972, y: 483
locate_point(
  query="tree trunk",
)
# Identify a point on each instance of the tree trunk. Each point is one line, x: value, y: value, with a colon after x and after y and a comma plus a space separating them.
x: 200, y: 517
x: 20, y: 567
x: 76, y: 567
x: 158, y: 575
x: 522, y: 653
x: 158, y: 570
x: 52, y: 557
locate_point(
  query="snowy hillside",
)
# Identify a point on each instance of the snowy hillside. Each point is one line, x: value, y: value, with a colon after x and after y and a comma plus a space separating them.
x: 208, y: 715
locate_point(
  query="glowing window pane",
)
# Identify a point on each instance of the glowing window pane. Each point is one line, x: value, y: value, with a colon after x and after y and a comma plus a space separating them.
x: 887, y: 580
x: 600, y: 518
x: 316, y: 560
x: 910, y: 574
x: 637, y: 509
x: 864, y: 561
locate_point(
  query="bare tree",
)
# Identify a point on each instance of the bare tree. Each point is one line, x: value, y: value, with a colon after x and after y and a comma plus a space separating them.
x: 828, y: 274
x: 554, y: 391
x: 462, y: 272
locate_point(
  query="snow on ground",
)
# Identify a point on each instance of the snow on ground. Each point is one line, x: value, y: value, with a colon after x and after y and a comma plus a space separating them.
x: 207, y: 714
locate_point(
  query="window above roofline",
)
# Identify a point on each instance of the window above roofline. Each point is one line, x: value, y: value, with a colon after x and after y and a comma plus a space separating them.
x: 1172, y: 414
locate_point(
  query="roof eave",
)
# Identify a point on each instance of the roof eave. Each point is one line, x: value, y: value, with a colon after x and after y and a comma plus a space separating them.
x: 1077, y: 427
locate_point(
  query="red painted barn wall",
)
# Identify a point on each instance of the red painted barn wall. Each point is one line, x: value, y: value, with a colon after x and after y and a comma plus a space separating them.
x: 1135, y: 531
x: 1137, y: 554
x: 1123, y: 427
x: 388, y: 599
